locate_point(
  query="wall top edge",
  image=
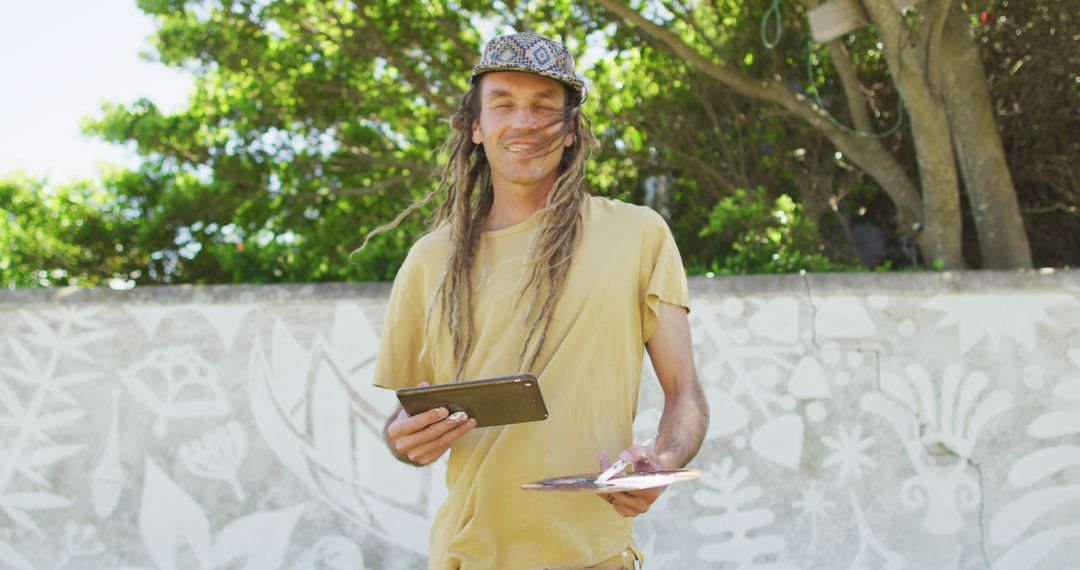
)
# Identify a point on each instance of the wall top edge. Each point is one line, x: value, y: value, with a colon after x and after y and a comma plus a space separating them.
x: 794, y: 284
x: 914, y: 283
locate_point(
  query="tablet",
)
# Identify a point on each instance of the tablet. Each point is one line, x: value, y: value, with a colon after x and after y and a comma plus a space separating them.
x: 491, y: 402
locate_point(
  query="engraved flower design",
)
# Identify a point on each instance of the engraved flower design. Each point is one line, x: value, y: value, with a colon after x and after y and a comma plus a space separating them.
x: 849, y: 452
x: 813, y: 504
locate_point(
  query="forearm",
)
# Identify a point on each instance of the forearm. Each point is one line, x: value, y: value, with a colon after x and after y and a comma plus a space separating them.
x: 682, y: 427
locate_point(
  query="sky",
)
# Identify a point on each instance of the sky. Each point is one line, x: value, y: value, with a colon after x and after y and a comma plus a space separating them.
x: 60, y: 60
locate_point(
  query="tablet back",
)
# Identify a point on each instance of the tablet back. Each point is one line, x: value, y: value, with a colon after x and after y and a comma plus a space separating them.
x: 493, y: 401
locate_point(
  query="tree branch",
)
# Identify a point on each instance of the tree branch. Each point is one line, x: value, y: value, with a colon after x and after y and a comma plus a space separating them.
x: 415, y: 78
x: 873, y: 158
x: 853, y: 92
x: 936, y: 16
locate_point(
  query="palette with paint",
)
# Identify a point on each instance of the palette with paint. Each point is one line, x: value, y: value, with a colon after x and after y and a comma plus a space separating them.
x: 586, y: 483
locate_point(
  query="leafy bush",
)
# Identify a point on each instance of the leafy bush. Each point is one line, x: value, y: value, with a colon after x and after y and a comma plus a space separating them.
x: 765, y: 235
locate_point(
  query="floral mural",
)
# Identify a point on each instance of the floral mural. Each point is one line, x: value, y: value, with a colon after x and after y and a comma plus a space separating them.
x: 858, y: 422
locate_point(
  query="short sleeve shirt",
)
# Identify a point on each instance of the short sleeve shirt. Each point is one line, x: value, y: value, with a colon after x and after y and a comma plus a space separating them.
x: 626, y: 263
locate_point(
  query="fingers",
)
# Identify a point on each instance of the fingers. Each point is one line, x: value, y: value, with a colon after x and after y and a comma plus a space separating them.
x: 605, y: 462
x: 406, y: 424
x: 630, y: 504
x: 430, y: 451
x: 425, y: 437
x: 643, y: 458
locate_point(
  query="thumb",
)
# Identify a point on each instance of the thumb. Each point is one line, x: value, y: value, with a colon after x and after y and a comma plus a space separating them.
x: 605, y: 462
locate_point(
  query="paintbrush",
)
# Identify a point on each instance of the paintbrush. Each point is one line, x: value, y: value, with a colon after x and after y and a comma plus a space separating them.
x: 620, y: 465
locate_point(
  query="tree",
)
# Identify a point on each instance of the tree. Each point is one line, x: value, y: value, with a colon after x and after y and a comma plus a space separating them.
x: 68, y: 235
x: 305, y: 130
x: 929, y: 54
x: 1032, y: 60
x: 313, y: 122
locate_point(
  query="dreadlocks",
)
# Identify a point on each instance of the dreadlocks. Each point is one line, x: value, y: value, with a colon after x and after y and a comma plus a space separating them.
x: 467, y: 196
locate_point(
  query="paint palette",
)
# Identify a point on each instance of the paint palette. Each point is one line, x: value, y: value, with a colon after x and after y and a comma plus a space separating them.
x: 632, y: 482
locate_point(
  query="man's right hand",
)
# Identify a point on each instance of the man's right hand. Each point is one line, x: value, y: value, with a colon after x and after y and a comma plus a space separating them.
x: 425, y: 437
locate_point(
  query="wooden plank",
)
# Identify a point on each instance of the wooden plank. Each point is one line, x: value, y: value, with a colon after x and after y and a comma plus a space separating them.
x: 838, y: 17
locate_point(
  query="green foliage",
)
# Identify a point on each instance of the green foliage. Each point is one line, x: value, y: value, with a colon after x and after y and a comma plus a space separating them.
x: 311, y: 123
x: 299, y: 138
x: 67, y: 235
x: 764, y: 235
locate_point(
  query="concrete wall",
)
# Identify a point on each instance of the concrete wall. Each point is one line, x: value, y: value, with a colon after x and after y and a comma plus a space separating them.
x: 859, y: 421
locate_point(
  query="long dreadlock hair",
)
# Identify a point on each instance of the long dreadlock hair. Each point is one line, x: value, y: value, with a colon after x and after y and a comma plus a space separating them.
x: 467, y: 196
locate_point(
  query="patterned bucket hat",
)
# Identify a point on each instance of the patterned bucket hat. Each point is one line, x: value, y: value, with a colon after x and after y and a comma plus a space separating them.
x: 530, y: 53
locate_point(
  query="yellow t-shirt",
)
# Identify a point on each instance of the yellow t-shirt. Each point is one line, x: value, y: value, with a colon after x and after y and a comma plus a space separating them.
x: 589, y: 370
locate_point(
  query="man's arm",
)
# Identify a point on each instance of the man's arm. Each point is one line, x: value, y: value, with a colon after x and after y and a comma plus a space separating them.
x: 686, y: 412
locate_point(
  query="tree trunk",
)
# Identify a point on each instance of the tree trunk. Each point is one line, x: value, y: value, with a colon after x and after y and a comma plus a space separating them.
x: 1003, y: 240
x: 940, y: 239
x: 935, y: 218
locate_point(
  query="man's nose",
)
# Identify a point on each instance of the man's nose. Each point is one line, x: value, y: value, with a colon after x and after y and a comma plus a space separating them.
x: 524, y: 118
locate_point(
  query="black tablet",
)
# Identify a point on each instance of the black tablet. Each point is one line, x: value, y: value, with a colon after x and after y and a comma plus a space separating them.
x: 492, y: 402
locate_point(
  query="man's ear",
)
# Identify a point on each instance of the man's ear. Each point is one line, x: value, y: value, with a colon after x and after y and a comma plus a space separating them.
x: 568, y: 140
x: 477, y: 136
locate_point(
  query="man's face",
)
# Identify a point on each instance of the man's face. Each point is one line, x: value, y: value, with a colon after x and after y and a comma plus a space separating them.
x: 518, y: 113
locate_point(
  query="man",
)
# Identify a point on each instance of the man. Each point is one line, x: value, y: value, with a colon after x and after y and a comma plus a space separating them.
x: 524, y: 271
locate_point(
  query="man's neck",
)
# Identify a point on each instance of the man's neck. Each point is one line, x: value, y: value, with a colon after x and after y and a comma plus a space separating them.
x: 514, y: 204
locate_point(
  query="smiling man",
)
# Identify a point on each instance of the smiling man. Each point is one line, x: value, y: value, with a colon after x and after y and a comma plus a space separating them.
x: 525, y: 271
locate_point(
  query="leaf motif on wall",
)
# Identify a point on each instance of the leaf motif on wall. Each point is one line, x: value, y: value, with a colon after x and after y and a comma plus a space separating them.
x: 333, y: 443
x: 1024, y: 513
x: 331, y: 553
x: 170, y: 521
x: 43, y: 334
x: 979, y: 316
x: 31, y: 372
x: 107, y: 478
x: 36, y: 405
x: 80, y: 540
x: 842, y: 317
x: 738, y: 527
x: 10, y: 400
x: 15, y: 506
x: 780, y: 441
x: 1020, y: 515
x: 45, y: 456
x: 175, y: 383
x: 13, y: 558
x: 86, y: 317
x: 260, y: 540
x: 777, y: 319
x: 57, y: 420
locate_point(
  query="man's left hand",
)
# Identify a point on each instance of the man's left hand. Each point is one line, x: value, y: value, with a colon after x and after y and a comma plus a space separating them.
x: 633, y: 503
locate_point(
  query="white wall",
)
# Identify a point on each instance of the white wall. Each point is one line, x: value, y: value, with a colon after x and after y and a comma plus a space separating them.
x: 859, y: 421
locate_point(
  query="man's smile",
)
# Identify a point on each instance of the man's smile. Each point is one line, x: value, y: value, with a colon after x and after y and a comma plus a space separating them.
x: 520, y: 147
